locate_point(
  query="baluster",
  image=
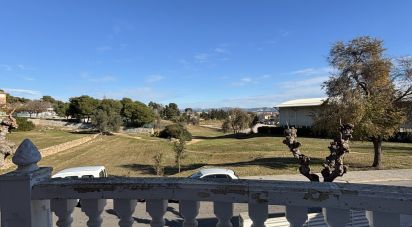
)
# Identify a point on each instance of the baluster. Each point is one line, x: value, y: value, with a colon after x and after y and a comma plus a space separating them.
x: 223, y: 212
x: 258, y: 212
x: 93, y: 208
x: 189, y: 209
x: 336, y: 217
x: 296, y: 216
x: 156, y: 209
x: 124, y: 209
x: 382, y: 219
x: 63, y: 208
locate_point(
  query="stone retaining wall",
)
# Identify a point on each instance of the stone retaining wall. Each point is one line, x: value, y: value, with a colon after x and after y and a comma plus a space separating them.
x: 139, y: 130
x: 56, y: 148
x: 59, y: 123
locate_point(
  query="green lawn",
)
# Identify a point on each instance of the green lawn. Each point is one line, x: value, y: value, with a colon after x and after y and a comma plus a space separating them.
x: 131, y: 155
x: 44, y: 138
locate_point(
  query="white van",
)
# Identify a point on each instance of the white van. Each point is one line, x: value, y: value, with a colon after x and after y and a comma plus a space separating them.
x: 82, y: 172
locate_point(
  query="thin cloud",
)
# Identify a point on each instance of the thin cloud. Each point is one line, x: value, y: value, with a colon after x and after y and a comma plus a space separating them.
x: 312, y: 71
x: 249, y: 80
x: 27, y: 78
x: 202, y: 57
x: 104, y: 48
x: 154, y: 78
x: 220, y: 50
x: 244, y: 81
x: 303, y: 83
x: 23, y: 92
x: 103, y: 79
x: 6, y: 67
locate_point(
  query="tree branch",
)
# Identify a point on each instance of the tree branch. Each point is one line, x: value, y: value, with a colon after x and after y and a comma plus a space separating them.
x: 333, y: 165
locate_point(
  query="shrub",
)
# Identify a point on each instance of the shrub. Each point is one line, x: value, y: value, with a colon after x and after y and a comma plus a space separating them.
x: 176, y: 131
x: 158, y: 161
x: 24, y: 124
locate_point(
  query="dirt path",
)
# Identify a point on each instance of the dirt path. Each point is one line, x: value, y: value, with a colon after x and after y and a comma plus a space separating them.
x: 133, y: 137
x: 193, y: 141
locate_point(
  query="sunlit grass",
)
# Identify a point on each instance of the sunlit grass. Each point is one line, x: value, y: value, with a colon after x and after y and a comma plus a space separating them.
x: 132, y: 155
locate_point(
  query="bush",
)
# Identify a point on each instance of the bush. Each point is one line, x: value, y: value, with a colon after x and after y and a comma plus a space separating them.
x: 176, y: 131
x: 279, y: 131
x: 405, y: 137
x: 24, y: 125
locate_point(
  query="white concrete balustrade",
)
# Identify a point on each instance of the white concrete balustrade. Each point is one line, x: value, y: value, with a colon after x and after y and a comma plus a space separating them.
x: 29, y: 195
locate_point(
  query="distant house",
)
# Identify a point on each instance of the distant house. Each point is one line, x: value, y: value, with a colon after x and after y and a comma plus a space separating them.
x: 299, y: 112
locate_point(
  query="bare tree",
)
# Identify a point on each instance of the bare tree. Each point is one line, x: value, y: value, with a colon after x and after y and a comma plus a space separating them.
x: 158, y: 163
x: 179, y: 147
x: 333, y: 166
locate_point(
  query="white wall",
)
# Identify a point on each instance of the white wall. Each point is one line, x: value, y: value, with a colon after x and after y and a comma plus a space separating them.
x: 297, y: 116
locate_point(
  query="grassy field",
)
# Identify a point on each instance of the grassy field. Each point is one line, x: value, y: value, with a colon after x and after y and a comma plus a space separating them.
x: 44, y: 138
x: 131, y: 155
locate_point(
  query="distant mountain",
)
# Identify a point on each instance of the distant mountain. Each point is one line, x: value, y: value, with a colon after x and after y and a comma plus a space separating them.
x: 257, y: 109
x: 262, y: 109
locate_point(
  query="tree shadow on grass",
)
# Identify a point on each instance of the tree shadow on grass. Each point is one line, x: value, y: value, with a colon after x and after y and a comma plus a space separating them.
x: 391, y: 149
x: 233, y: 136
x: 87, y: 132
x: 273, y: 163
x: 168, y: 170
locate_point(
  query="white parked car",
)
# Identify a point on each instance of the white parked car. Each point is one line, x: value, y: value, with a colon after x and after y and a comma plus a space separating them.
x: 214, y: 173
x: 82, y: 172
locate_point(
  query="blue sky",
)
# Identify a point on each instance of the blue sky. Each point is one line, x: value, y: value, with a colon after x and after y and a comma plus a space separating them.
x: 214, y: 53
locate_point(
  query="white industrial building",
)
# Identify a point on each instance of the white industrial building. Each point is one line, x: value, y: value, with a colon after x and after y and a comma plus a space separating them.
x: 299, y: 112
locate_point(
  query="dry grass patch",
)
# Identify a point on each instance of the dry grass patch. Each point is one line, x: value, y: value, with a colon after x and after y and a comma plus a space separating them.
x: 45, y: 138
x: 248, y: 156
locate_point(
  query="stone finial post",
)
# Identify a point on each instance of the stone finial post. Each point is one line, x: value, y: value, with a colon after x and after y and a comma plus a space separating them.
x: 17, y: 207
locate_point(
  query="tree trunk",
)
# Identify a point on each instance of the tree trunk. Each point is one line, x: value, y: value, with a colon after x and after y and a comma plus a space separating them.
x: 377, y: 145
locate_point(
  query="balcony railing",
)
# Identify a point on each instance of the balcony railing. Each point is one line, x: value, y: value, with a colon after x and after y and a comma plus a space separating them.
x: 29, y: 195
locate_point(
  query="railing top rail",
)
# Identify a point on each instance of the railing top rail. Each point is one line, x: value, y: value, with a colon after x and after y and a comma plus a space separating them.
x: 338, y: 195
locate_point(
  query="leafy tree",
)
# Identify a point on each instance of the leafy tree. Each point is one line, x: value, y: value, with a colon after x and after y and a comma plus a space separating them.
x: 13, y: 100
x: 106, y: 118
x: 48, y: 98
x: 127, y: 109
x: 171, y: 111
x: 226, y: 126
x: 142, y: 114
x: 157, y: 108
x: 363, y: 92
x: 82, y: 107
x: 61, y: 108
x: 137, y: 112
x: 238, y: 120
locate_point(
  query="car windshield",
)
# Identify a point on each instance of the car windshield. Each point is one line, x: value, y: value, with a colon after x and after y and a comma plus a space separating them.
x: 195, y: 175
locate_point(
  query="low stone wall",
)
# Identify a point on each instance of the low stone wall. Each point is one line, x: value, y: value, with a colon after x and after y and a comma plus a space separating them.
x: 139, y: 130
x: 65, y: 146
x: 59, y: 123
x: 56, y: 148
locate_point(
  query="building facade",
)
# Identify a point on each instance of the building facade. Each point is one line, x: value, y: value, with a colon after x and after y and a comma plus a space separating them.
x: 299, y: 112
